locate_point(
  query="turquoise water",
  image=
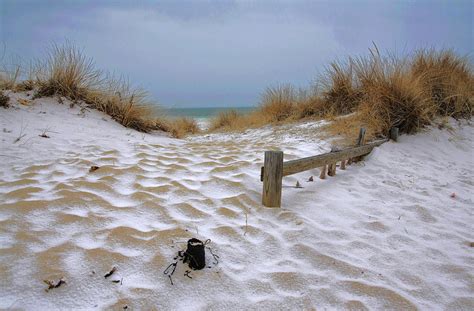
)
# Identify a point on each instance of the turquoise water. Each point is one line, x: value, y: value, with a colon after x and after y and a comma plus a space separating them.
x: 204, y: 113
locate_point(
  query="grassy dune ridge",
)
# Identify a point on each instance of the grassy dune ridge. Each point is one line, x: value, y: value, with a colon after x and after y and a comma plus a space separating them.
x: 374, y: 91
x: 67, y: 72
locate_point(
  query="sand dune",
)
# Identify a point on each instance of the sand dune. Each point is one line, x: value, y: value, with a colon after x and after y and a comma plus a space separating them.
x: 384, y: 234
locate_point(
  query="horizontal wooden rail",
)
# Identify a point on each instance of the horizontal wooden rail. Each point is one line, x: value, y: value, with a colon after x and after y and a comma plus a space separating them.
x: 304, y: 164
x: 275, y: 169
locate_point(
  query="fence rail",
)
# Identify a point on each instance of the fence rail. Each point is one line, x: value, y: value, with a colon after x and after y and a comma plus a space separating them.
x: 275, y: 169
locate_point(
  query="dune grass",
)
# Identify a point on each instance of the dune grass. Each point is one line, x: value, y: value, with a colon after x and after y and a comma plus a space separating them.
x: 179, y: 127
x: 374, y: 91
x: 9, y: 78
x: 67, y: 71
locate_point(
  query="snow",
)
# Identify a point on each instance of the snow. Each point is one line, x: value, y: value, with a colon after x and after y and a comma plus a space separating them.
x: 384, y: 234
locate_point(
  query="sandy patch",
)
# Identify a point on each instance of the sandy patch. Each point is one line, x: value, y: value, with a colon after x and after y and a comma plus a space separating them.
x: 384, y: 234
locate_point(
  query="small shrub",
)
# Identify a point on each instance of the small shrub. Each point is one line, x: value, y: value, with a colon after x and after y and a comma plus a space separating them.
x: 4, y: 99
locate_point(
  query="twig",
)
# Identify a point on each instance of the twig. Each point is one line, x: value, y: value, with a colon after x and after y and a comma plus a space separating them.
x: 45, y: 130
x: 110, y: 272
x: 246, y: 222
x: 22, y: 129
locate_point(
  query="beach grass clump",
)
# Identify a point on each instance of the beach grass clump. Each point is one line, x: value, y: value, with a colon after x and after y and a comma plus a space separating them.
x: 448, y: 79
x: 410, y: 92
x: 340, y: 93
x: 224, y: 120
x: 390, y: 95
x: 233, y: 121
x: 277, y: 103
x: 25, y: 85
x: 125, y: 104
x: 179, y: 127
x: 375, y: 91
x: 67, y: 72
x: 9, y: 78
x: 4, y: 100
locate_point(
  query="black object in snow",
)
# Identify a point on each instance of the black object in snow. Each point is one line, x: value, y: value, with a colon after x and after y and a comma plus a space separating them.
x: 195, y: 254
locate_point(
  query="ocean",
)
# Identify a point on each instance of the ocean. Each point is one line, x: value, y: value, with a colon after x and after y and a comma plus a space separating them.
x: 203, y: 114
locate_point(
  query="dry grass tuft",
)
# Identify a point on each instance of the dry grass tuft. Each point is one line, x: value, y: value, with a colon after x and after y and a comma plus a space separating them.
x: 391, y: 96
x: 233, y: 121
x: 340, y: 93
x: 277, y: 103
x: 126, y: 105
x: 224, y: 120
x: 374, y: 91
x: 448, y: 79
x: 67, y: 72
x: 8, y: 78
x: 178, y: 128
x: 4, y: 99
x: 25, y: 85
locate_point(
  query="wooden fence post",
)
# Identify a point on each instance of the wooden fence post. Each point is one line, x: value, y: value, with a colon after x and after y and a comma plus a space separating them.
x: 272, y: 178
x: 394, y: 134
x: 323, y: 172
x: 332, y: 169
x: 360, y: 140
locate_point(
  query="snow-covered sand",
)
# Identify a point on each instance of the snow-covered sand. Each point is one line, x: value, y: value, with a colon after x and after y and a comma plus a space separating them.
x: 383, y: 234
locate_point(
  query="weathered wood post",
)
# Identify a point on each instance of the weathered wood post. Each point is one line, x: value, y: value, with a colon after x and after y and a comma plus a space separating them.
x: 343, y: 164
x: 394, y: 134
x: 272, y: 178
x: 323, y: 172
x: 332, y: 169
x: 361, y: 139
x: 360, y: 142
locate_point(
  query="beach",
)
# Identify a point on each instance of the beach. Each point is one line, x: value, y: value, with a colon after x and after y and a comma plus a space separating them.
x: 393, y: 231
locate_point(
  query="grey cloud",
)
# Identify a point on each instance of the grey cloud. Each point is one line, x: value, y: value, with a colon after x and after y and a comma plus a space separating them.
x: 217, y: 53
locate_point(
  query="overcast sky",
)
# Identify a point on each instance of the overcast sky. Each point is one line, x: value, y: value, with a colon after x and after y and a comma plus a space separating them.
x: 224, y: 53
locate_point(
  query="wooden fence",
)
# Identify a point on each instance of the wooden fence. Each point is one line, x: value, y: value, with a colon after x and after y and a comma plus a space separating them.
x: 275, y: 169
